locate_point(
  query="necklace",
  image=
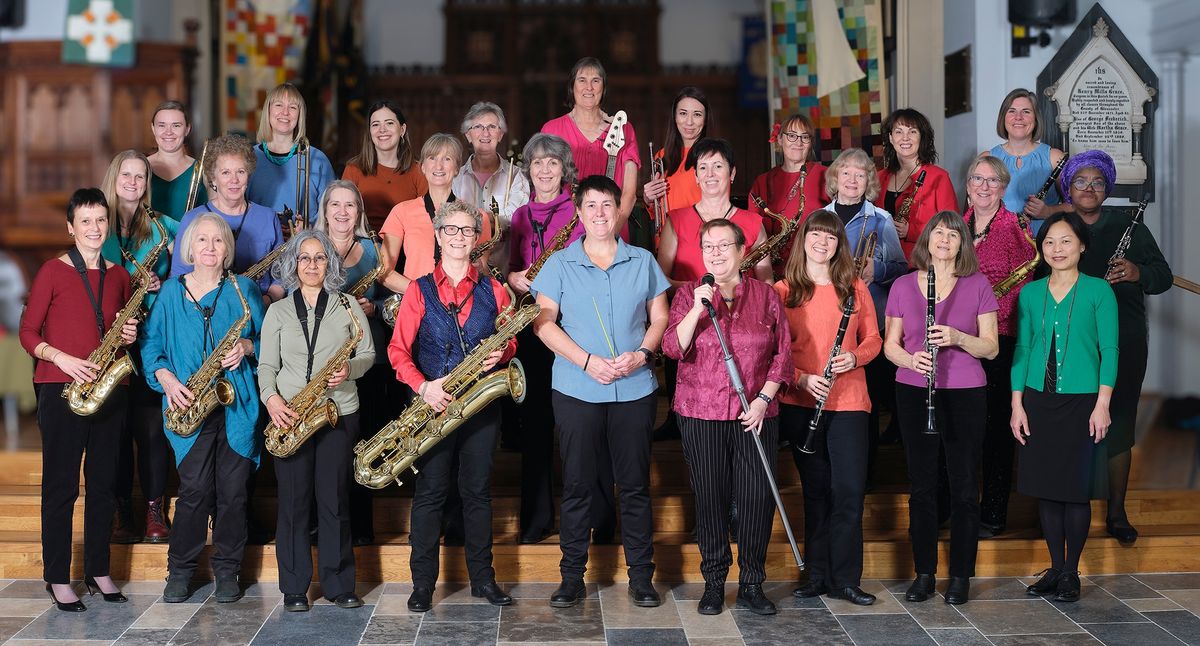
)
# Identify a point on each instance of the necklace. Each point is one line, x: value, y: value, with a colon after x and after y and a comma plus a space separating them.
x: 987, y: 228
x: 901, y: 185
x: 696, y: 208
x: 1052, y: 379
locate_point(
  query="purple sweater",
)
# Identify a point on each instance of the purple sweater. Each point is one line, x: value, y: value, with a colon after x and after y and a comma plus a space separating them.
x: 525, y: 244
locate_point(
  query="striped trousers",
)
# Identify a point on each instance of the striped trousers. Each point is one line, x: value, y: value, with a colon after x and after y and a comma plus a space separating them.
x: 724, y: 466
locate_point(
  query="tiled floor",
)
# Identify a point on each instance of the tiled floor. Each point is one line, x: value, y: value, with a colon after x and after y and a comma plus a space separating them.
x: 1142, y: 610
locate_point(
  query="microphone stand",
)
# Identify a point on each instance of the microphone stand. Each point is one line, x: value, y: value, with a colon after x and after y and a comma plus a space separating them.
x: 736, y: 378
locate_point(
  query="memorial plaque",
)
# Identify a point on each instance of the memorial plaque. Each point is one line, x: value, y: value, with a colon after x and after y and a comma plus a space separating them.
x: 1098, y: 94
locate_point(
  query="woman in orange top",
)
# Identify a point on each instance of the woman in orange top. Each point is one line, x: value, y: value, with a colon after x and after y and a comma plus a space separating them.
x: 688, y: 124
x: 384, y: 171
x: 781, y: 187
x: 818, y: 281
x: 907, y: 152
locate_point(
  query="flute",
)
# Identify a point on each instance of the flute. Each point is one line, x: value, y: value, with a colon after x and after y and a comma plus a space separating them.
x: 828, y: 375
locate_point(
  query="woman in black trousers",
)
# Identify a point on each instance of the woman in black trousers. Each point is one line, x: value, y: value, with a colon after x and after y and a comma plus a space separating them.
x: 72, y: 305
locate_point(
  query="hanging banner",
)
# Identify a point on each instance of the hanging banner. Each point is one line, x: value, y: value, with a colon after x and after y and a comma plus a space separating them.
x: 99, y: 32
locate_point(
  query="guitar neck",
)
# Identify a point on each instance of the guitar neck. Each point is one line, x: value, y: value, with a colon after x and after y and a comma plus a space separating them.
x: 610, y: 170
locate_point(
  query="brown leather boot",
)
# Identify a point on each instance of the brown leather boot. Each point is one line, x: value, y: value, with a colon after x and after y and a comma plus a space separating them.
x: 123, y: 531
x: 156, y: 522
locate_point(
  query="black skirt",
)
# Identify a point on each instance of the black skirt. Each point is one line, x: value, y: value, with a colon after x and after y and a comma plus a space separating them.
x: 1059, y: 460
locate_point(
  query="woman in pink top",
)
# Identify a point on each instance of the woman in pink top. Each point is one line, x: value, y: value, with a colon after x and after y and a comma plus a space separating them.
x: 584, y: 129
x: 679, y: 247
x: 817, y: 285
x: 717, y: 444
x: 1002, y: 245
x: 964, y: 332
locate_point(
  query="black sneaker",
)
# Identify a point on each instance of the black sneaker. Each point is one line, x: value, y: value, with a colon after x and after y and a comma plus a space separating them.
x: 751, y: 597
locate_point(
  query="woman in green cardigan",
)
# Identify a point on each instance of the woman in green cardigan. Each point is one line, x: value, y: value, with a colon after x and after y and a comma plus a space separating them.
x: 1086, y: 180
x: 1064, y: 368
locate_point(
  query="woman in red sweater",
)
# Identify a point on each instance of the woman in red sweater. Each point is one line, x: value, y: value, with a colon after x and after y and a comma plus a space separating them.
x: 908, y: 152
x: 817, y: 286
x: 782, y: 187
x: 74, y: 301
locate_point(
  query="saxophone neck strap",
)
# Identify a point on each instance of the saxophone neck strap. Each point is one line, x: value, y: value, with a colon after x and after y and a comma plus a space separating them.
x: 318, y: 314
x: 97, y: 301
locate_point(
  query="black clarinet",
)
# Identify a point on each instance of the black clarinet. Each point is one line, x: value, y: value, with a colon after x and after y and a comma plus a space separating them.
x: 828, y: 375
x: 931, y: 378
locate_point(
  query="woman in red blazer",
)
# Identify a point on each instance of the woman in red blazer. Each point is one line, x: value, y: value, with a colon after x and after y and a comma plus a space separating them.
x: 908, y: 151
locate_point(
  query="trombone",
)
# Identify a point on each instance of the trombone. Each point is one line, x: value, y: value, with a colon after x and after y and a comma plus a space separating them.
x: 197, y: 176
x: 302, y: 181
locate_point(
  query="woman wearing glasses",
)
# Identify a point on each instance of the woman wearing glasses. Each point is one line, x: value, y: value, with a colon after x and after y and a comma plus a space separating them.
x: 485, y: 176
x: 782, y: 188
x: 908, y: 151
x: 1087, y: 180
x: 1002, y: 246
x: 446, y: 314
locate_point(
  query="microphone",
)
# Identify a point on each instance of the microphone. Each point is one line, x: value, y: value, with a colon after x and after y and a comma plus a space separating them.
x: 708, y: 279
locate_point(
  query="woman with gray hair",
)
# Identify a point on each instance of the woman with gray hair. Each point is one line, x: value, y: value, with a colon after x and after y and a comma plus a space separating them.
x: 486, y: 176
x: 446, y: 314
x: 550, y: 169
x: 300, y: 335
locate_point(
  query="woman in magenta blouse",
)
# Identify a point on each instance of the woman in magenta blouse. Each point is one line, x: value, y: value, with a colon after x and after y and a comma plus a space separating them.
x: 965, y: 332
x: 1002, y: 246
x: 717, y: 444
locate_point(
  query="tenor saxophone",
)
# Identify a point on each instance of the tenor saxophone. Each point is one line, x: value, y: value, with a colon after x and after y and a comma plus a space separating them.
x: 311, y: 406
x: 207, y: 386
x: 259, y: 269
x: 1019, y: 274
x: 381, y: 459
x: 773, y: 245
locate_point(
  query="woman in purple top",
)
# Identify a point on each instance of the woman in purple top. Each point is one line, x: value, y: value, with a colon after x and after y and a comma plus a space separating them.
x: 1002, y: 245
x: 964, y: 332
x: 717, y: 445
x: 550, y: 170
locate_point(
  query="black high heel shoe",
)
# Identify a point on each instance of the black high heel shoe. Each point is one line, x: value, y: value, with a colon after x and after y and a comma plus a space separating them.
x: 72, y: 606
x: 111, y: 597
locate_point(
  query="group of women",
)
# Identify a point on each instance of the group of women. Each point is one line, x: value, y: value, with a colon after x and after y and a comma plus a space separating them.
x: 904, y: 304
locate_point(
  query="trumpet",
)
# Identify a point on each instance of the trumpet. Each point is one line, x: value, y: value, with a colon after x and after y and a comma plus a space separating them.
x: 866, y: 250
x: 197, y: 177
x: 657, y: 167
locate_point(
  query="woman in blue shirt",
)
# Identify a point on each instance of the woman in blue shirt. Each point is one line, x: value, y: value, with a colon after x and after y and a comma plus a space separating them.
x: 1029, y: 161
x: 193, y: 313
x: 604, y: 311
x: 280, y: 133
x: 126, y: 187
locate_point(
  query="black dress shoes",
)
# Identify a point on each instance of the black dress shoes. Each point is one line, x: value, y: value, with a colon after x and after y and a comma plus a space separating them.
x: 814, y: 588
x: 110, y: 597
x: 1124, y: 533
x: 534, y: 537
x: 853, y: 594
x: 1068, y: 587
x: 921, y: 589
x: 65, y: 606
x: 347, y: 600
x: 987, y: 530
x: 750, y: 597
x: 492, y: 593
x: 295, y: 603
x: 568, y: 594
x: 421, y: 599
x: 959, y: 590
x: 713, y: 601
x: 643, y: 594
x: 1046, y: 584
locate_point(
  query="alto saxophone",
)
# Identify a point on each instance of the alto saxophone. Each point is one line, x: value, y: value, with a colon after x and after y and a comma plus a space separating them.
x: 311, y: 406
x: 207, y: 387
x: 484, y: 247
x: 360, y: 288
x: 86, y: 398
x: 381, y: 459
x: 906, y: 205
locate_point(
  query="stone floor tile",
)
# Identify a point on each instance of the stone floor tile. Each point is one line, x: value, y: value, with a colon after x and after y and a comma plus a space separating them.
x: 368, y: 591
x: 201, y: 591
x: 1151, y: 605
x: 391, y: 630
x: 620, y: 612
x: 456, y: 634
x: 57, y: 642
x: 1024, y: 617
x: 320, y: 625
x: 10, y: 626
x: 1095, y: 605
x: 996, y: 588
x: 166, y: 615
x: 394, y: 604
x: 542, y: 591
x: 1131, y: 634
x: 934, y: 612
x: 462, y: 612
x: 14, y: 607
x: 885, y: 603
x: 1180, y: 623
x: 101, y: 621
x: 226, y: 624
x: 1123, y: 586
x: 455, y: 593
x: 645, y: 636
x: 1074, y: 639
x: 781, y: 593
x: 958, y: 637
x: 696, y: 625
x: 791, y: 628
x: 28, y: 589
x: 1180, y: 581
x: 1189, y: 599
x: 716, y: 641
x: 889, y: 630
x: 141, y: 587
x: 146, y: 637
x: 540, y: 623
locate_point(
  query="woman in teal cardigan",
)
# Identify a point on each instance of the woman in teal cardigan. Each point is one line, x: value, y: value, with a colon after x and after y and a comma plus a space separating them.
x: 1063, y: 373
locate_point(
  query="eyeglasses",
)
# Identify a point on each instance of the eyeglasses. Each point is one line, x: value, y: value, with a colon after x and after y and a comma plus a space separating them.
x: 721, y: 246
x: 454, y: 229
x: 802, y: 137
x: 480, y: 128
x: 978, y: 180
x: 306, y: 260
x: 1081, y: 184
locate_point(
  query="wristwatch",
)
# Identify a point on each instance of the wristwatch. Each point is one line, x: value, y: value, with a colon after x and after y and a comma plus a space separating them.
x: 763, y: 396
x: 648, y: 353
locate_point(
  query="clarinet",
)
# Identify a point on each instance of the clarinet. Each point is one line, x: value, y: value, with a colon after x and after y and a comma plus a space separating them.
x: 828, y: 375
x: 931, y: 378
x: 1126, y: 237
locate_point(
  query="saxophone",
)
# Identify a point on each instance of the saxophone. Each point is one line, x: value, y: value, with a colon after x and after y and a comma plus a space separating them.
x: 1018, y: 276
x: 381, y: 459
x: 773, y: 245
x: 86, y: 398
x: 259, y: 269
x: 209, y: 389
x: 312, y: 407
x: 906, y: 205
x: 484, y: 247
x: 360, y: 288
x: 556, y: 244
